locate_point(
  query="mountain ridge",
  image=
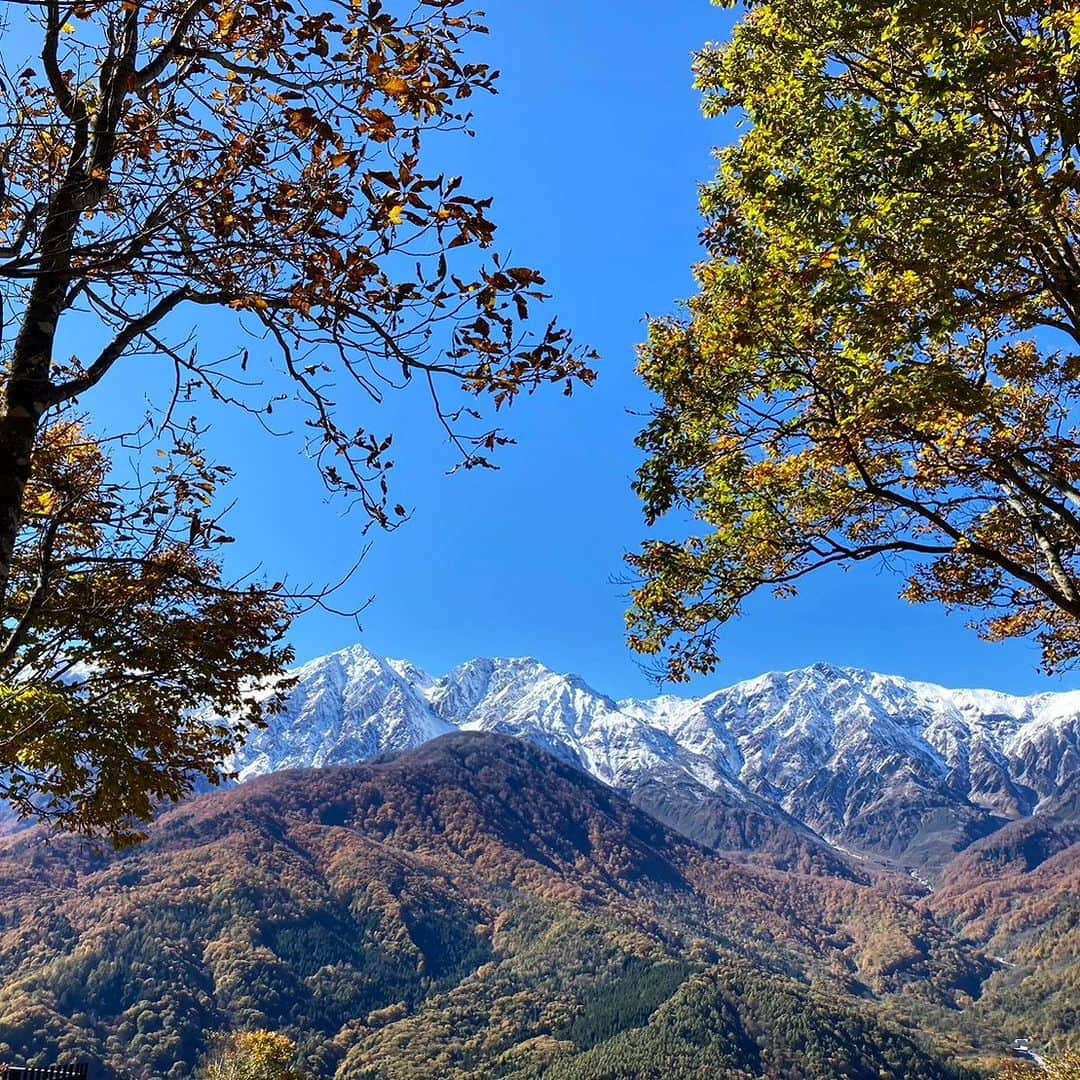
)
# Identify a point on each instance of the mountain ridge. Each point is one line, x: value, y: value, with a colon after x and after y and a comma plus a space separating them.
x: 904, y: 770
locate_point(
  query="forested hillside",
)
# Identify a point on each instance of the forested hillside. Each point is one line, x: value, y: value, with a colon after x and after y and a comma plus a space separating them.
x: 1019, y: 892
x: 474, y: 908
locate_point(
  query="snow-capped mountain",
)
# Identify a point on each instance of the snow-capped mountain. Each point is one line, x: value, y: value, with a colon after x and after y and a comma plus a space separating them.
x: 870, y: 762
x: 347, y: 707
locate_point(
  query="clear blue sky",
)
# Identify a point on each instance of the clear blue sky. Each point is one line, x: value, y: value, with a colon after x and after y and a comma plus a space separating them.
x: 593, y: 150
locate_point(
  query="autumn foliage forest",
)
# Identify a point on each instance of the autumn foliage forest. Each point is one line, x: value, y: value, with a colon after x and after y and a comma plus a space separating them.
x: 475, y: 908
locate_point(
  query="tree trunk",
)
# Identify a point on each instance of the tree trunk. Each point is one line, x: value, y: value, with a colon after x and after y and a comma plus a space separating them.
x: 25, y: 398
x: 17, y: 433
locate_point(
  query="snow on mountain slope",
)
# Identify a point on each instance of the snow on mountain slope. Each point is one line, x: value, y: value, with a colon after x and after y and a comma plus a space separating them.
x: 346, y: 707
x: 875, y: 762
x: 564, y: 716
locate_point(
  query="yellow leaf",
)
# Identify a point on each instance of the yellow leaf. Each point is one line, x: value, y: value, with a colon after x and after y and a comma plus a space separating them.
x: 396, y: 215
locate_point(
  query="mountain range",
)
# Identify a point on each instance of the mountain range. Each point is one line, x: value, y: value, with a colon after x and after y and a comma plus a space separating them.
x: 810, y: 764
x: 502, y: 874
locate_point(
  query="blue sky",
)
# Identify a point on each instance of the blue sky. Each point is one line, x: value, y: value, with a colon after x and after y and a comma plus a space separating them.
x: 593, y: 150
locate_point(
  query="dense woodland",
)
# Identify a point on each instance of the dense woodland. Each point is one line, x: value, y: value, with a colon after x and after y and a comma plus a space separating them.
x: 477, y: 908
x: 1018, y: 892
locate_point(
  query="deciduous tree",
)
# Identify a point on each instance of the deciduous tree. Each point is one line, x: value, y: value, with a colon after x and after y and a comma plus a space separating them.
x: 268, y: 158
x: 253, y: 1055
x: 126, y: 643
x: 881, y: 363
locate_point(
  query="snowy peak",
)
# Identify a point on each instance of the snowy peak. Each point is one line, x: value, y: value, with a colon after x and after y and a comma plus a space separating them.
x: 561, y: 713
x: 487, y: 684
x: 867, y: 760
x: 346, y: 707
x: 417, y: 678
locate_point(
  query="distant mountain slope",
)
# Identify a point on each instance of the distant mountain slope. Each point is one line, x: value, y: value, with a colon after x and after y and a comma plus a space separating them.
x: 475, y: 908
x: 1018, y: 891
x: 872, y: 763
x: 348, y: 707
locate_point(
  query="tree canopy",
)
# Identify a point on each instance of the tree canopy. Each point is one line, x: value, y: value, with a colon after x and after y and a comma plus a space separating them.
x: 268, y: 159
x: 253, y: 1055
x: 881, y: 361
x: 127, y: 644
x: 1066, y: 1067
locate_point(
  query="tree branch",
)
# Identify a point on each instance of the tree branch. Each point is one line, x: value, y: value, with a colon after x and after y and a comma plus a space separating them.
x: 119, y: 344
